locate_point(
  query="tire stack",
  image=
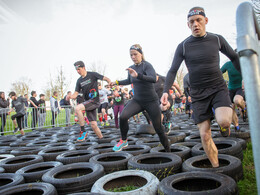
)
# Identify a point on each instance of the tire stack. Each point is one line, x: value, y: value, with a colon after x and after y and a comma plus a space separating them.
x: 50, y: 161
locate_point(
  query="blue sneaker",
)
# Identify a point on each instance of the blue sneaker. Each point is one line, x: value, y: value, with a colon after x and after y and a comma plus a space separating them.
x: 120, y: 145
x: 82, y: 137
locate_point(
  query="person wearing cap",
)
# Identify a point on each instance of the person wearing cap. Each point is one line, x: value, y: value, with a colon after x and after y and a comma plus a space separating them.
x: 87, y: 83
x: 208, y: 90
x: 142, y: 76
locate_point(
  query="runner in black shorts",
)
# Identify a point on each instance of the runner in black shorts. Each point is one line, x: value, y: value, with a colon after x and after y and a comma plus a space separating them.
x: 186, y: 86
x: 142, y: 75
x: 88, y: 84
x: 166, y: 109
x: 208, y: 88
x: 236, y: 93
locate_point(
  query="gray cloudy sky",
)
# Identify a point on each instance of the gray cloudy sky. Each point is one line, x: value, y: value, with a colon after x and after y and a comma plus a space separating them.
x: 38, y: 36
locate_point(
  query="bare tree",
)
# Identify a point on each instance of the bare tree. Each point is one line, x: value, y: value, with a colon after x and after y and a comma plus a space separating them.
x: 179, y: 76
x: 21, y: 86
x: 57, y: 83
x: 99, y: 67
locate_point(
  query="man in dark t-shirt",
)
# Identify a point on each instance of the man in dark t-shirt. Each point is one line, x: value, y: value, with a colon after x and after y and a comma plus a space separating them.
x: 34, y: 106
x: 87, y: 84
x: 208, y: 88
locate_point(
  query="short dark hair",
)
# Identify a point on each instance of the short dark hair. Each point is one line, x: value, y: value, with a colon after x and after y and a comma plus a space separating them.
x: 32, y: 93
x: 12, y: 93
x: 197, y: 8
x: 68, y: 92
x: 41, y: 95
x: 79, y: 64
x: 99, y: 84
x: 54, y: 92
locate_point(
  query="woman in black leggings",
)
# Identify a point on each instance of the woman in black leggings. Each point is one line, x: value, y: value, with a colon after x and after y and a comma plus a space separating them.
x: 142, y: 75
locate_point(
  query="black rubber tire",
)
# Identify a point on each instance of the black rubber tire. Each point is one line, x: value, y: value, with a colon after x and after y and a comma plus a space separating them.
x: 239, y: 140
x: 2, y: 170
x: 106, y: 138
x: 130, y: 140
x: 112, y: 161
x: 84, y: 145
x: 76, y: 156
x: 39, y: 143
x: 146, y: 182
x: 198, y: 183
x: 31, y: 188
x: 160, y: 164
x: 59, y: 144
x: 11, y: 165
x: 229, y: 147
x: 243, y: 134
x: 25, y: 151
x: 181, y: 151
x: 145, y: 129
x: 5, y: 156
x: 66, y: 180
x: 229, y: 165
x: 176, y: 136
x: 137, y: 149
x: 34, y: 172
x: 102, y: 148
x: 10, y: 179
x: 188, y: 144
x: 152, y: 142
x: 50, y: 153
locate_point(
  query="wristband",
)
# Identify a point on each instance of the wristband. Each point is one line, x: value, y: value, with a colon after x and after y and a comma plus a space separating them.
x: 117, y: 82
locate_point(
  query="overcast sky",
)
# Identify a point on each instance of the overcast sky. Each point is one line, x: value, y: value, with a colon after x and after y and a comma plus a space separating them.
x: 38, y: 36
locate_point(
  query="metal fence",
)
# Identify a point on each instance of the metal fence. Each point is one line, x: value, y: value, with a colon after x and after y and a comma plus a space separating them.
x: 38, y: 118
x: 248, y: 36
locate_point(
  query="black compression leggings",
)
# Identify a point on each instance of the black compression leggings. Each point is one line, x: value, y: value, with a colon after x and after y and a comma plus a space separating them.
x: 152, y: 108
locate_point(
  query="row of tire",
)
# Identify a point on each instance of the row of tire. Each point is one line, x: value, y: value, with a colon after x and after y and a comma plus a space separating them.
x: 67, y: 160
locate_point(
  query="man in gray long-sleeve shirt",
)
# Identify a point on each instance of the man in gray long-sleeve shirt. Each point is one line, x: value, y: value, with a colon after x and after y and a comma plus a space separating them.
x: 54, y: 107
x: 3, y: 110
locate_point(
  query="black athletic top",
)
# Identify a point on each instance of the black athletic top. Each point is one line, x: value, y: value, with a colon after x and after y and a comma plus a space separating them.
x: 33, y: 99
x: 143, y: 84
x: 119, y: 100
x: 88, y: 85
x: 201, y: 55
x: 186, y: 85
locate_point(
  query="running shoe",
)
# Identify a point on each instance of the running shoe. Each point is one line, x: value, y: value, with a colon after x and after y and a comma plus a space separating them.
x: 120, y: 145
x: 107, y: 123
x: 225, y: 132
x: 82, y: 137
x: 244, y: 112
x: 102, y: 123
x: 167, y: 127
x: 16, y: 129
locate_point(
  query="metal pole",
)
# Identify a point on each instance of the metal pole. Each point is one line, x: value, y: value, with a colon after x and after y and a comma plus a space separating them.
x: 248, y: 35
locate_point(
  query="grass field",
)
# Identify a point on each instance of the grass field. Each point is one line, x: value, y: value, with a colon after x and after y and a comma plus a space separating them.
x: 248, y: 186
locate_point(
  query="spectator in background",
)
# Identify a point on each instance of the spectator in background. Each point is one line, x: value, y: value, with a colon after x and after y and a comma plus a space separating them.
x: 18, y: 104
x: 42, y: 110
x: 54, y: 107
x: 26, y: 104
x: 118, y: 102
x: 34, y: 106
x: 67, y: 108
x: 3, y: 110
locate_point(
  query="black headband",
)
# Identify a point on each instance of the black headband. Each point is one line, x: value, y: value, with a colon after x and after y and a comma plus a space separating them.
x: 196, y: 12
x: 137, y: 49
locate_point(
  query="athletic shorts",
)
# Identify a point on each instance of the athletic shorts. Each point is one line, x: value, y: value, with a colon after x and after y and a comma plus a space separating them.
x: 203, y: 100
x: 178, y: 105
x: 188, y: 106
x: 91, y: 109
x: 104, y: 105
x: 234, y: 92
